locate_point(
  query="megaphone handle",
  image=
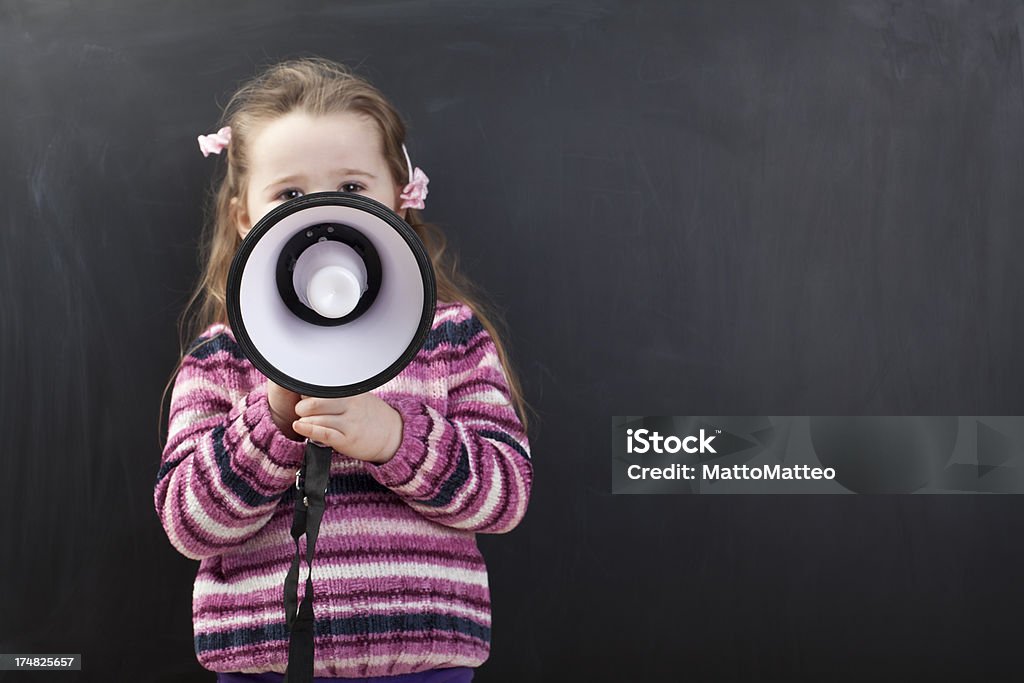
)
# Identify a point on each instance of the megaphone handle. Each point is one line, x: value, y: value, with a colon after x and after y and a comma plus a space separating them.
x: 309, y: 511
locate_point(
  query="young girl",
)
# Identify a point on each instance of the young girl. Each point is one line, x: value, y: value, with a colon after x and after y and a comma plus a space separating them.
x: 422, y: 463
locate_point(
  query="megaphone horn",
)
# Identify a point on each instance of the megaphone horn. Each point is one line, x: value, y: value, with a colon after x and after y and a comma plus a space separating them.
x: 331, y: 294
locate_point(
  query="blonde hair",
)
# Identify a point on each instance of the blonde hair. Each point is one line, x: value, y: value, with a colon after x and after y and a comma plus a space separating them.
x: 316, y: 87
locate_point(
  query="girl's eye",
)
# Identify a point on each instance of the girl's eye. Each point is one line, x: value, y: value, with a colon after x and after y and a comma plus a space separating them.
x: 351, y: 187
x: 288, y: 194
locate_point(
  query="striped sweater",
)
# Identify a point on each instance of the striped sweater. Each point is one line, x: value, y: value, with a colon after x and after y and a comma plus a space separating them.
x: 400, y: 584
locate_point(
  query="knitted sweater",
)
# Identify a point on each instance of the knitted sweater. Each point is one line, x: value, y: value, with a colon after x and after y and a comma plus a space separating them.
x: 400, y: 585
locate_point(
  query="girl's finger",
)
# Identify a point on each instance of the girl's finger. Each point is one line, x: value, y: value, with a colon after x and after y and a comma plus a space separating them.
x: 319, y: 433
x: 312, y: 405
x: 334, y: 422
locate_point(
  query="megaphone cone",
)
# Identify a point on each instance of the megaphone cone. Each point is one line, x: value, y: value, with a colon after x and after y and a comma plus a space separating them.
x: 331, y: 294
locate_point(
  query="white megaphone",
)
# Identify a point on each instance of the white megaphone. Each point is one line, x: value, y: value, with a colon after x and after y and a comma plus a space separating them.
x: 330, y: 295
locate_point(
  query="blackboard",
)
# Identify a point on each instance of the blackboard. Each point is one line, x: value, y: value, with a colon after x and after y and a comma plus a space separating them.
x: 739, y: 207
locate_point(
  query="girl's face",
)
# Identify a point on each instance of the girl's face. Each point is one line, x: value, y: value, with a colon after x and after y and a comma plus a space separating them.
x: 298, y: 154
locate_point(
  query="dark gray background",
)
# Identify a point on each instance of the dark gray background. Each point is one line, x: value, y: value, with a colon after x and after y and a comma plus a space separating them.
x: 745, y: 208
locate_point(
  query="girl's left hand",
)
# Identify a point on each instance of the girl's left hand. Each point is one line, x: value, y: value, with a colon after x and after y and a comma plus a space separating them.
x: 361, y: 426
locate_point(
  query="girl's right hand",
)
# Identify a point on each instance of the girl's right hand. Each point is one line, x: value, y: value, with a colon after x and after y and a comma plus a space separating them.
x: 282, y: 409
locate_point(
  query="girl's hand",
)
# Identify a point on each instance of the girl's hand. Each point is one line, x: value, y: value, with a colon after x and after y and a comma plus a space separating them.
x: 282, y: 409
x: 362, y: 426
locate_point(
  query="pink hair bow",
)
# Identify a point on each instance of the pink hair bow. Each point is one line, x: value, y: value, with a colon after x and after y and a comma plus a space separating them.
x: 415, y: 191
x: 215, y: 142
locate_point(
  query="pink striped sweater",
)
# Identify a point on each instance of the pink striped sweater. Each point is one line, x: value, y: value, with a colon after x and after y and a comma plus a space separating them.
x: 400, y: 584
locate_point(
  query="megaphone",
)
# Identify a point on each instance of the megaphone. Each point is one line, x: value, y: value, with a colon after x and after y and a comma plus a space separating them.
x: 330, y: 295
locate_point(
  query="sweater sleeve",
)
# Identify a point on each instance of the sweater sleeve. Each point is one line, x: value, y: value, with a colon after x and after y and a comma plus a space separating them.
x: 469, y: 468
x: 226, y: 464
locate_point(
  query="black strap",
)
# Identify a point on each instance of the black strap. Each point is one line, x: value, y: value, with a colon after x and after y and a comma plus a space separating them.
x: 309, y: 512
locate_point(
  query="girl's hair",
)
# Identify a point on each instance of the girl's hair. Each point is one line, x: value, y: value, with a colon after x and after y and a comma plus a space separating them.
x: 316, y: 87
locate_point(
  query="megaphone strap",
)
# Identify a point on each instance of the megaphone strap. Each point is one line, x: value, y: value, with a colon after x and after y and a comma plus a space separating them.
x: 310, y: 500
